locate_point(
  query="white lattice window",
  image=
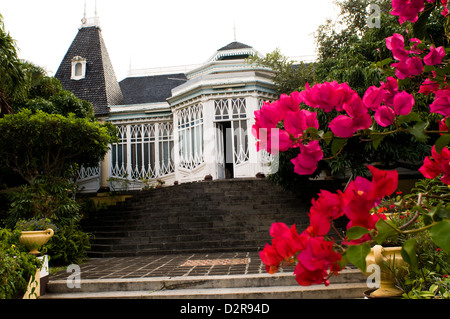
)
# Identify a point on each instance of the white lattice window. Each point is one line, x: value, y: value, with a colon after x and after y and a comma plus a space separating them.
x: 240, y: 135
x: 119, y: 154
x: 145, y: 151
x: 235, y: 111
x: 222, y: 110
x: 239, y: 108
x: 266, y: 157
x: 166, y: 148
x: 190, y: 136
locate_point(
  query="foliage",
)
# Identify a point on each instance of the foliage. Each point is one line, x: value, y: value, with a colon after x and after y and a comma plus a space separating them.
x: 35, y: 224
x: 69, y: 245
x: 16, y: 265
x: 288, y: 76
x: 45, y: 198
x: 12, y: 80
x: 50, y: 144
x: 415, y: 87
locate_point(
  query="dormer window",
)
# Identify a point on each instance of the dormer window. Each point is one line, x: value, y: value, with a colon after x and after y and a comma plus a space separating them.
x: 78, y: 68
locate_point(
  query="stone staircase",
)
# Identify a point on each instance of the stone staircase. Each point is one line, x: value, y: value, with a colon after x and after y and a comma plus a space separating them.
x: 350, y: 283
x: 220, y: 215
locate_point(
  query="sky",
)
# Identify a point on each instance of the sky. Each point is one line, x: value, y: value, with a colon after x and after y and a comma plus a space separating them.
x: 143, y: 34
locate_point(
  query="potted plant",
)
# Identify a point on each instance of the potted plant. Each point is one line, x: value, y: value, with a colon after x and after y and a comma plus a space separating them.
x: 292, y: 123
x: 35, y: 233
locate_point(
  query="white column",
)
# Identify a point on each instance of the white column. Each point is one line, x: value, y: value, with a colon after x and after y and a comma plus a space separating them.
x: 252, y: 106
x: 176, y: 147
x: 209, y: 138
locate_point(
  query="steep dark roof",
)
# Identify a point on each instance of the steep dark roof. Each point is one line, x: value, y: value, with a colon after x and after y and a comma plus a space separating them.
x: 234, y: 45
x: 150, y: 89
x: 100, y: 86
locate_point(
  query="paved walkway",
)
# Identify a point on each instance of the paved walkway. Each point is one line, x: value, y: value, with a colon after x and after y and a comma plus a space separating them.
x: 196, y: 264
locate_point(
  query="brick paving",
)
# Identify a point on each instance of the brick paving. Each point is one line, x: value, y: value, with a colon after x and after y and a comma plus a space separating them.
x: 196, y: 264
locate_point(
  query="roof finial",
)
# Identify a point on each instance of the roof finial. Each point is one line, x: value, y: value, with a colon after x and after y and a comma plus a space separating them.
x: 234, y: 29
x: 83, y: 21
x: 91, y: 21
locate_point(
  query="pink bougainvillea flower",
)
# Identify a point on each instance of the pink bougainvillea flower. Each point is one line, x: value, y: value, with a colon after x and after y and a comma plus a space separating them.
x: 407, y: 10
x: 316, y: 261
x: 358, y: 119
x: 429, y: 86
x: 369, y: 222
x: 266, y: 118
x: 445, y: 5
x: 435, y: 56
x: 443, y: 126
x: 384, y: 115
x: 270, y: 259
x: 403, y: 103
x: 326, y: 208
x: 306, y: 162
x: 437, y: 164
x: 290, y: 102
x: 361, y: 195
x: 384, y: 182
x: 414, y: 48
x: 286, y: 243
x: 396, y: 44
x: 327, y: 96
x: 408, y: 68
x: 441, y: 103
x: 297, y: 122
x: 272, y: 140
x: 390, y: 90
x: 373, y: 97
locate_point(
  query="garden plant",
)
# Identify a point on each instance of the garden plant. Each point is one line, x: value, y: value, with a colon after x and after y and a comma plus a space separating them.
x: 419, y: 221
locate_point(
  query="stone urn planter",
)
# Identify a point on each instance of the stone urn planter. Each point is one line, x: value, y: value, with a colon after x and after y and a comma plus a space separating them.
x: 34, y: 240
x: 388, y: 259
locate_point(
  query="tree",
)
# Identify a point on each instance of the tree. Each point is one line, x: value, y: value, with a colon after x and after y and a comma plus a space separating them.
x: 12, y: 79
x: 288, y: 75
x: 51, y: 144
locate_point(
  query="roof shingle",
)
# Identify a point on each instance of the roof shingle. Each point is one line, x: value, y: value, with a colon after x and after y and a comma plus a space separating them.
x: 100, y: 86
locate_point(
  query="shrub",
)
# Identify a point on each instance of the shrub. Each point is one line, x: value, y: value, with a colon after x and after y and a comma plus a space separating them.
x: 69, y: 245
x: 45, y: 198
x: 16, y: 265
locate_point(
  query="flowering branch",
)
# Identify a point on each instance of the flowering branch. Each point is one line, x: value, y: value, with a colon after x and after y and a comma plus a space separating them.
x: 316, y: 255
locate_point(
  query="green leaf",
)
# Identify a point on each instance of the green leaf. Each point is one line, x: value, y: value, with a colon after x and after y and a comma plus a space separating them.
x: 409, y: 253
x: 385, y: 228
x: 442, y: 142
x: 328, y: 137
x: 357, y: 254
x: 411, y: 117
x: 376, y: 138
x: 418, y: 131
x: 440, y: 233
x: 337, y: 144
x: 356, y: 232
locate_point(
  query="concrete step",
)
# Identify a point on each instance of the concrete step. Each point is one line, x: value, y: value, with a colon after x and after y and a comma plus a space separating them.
x: 333, y: 291
x: 349, y: 284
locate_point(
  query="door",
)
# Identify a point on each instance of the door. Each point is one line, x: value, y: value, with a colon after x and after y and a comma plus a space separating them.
x: 225, y: 150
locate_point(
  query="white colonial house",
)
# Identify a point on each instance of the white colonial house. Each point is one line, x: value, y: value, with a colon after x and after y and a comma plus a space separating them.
x: 177, y: 124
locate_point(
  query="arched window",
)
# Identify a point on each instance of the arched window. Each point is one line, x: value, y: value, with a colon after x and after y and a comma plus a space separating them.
x: 78, y: 68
